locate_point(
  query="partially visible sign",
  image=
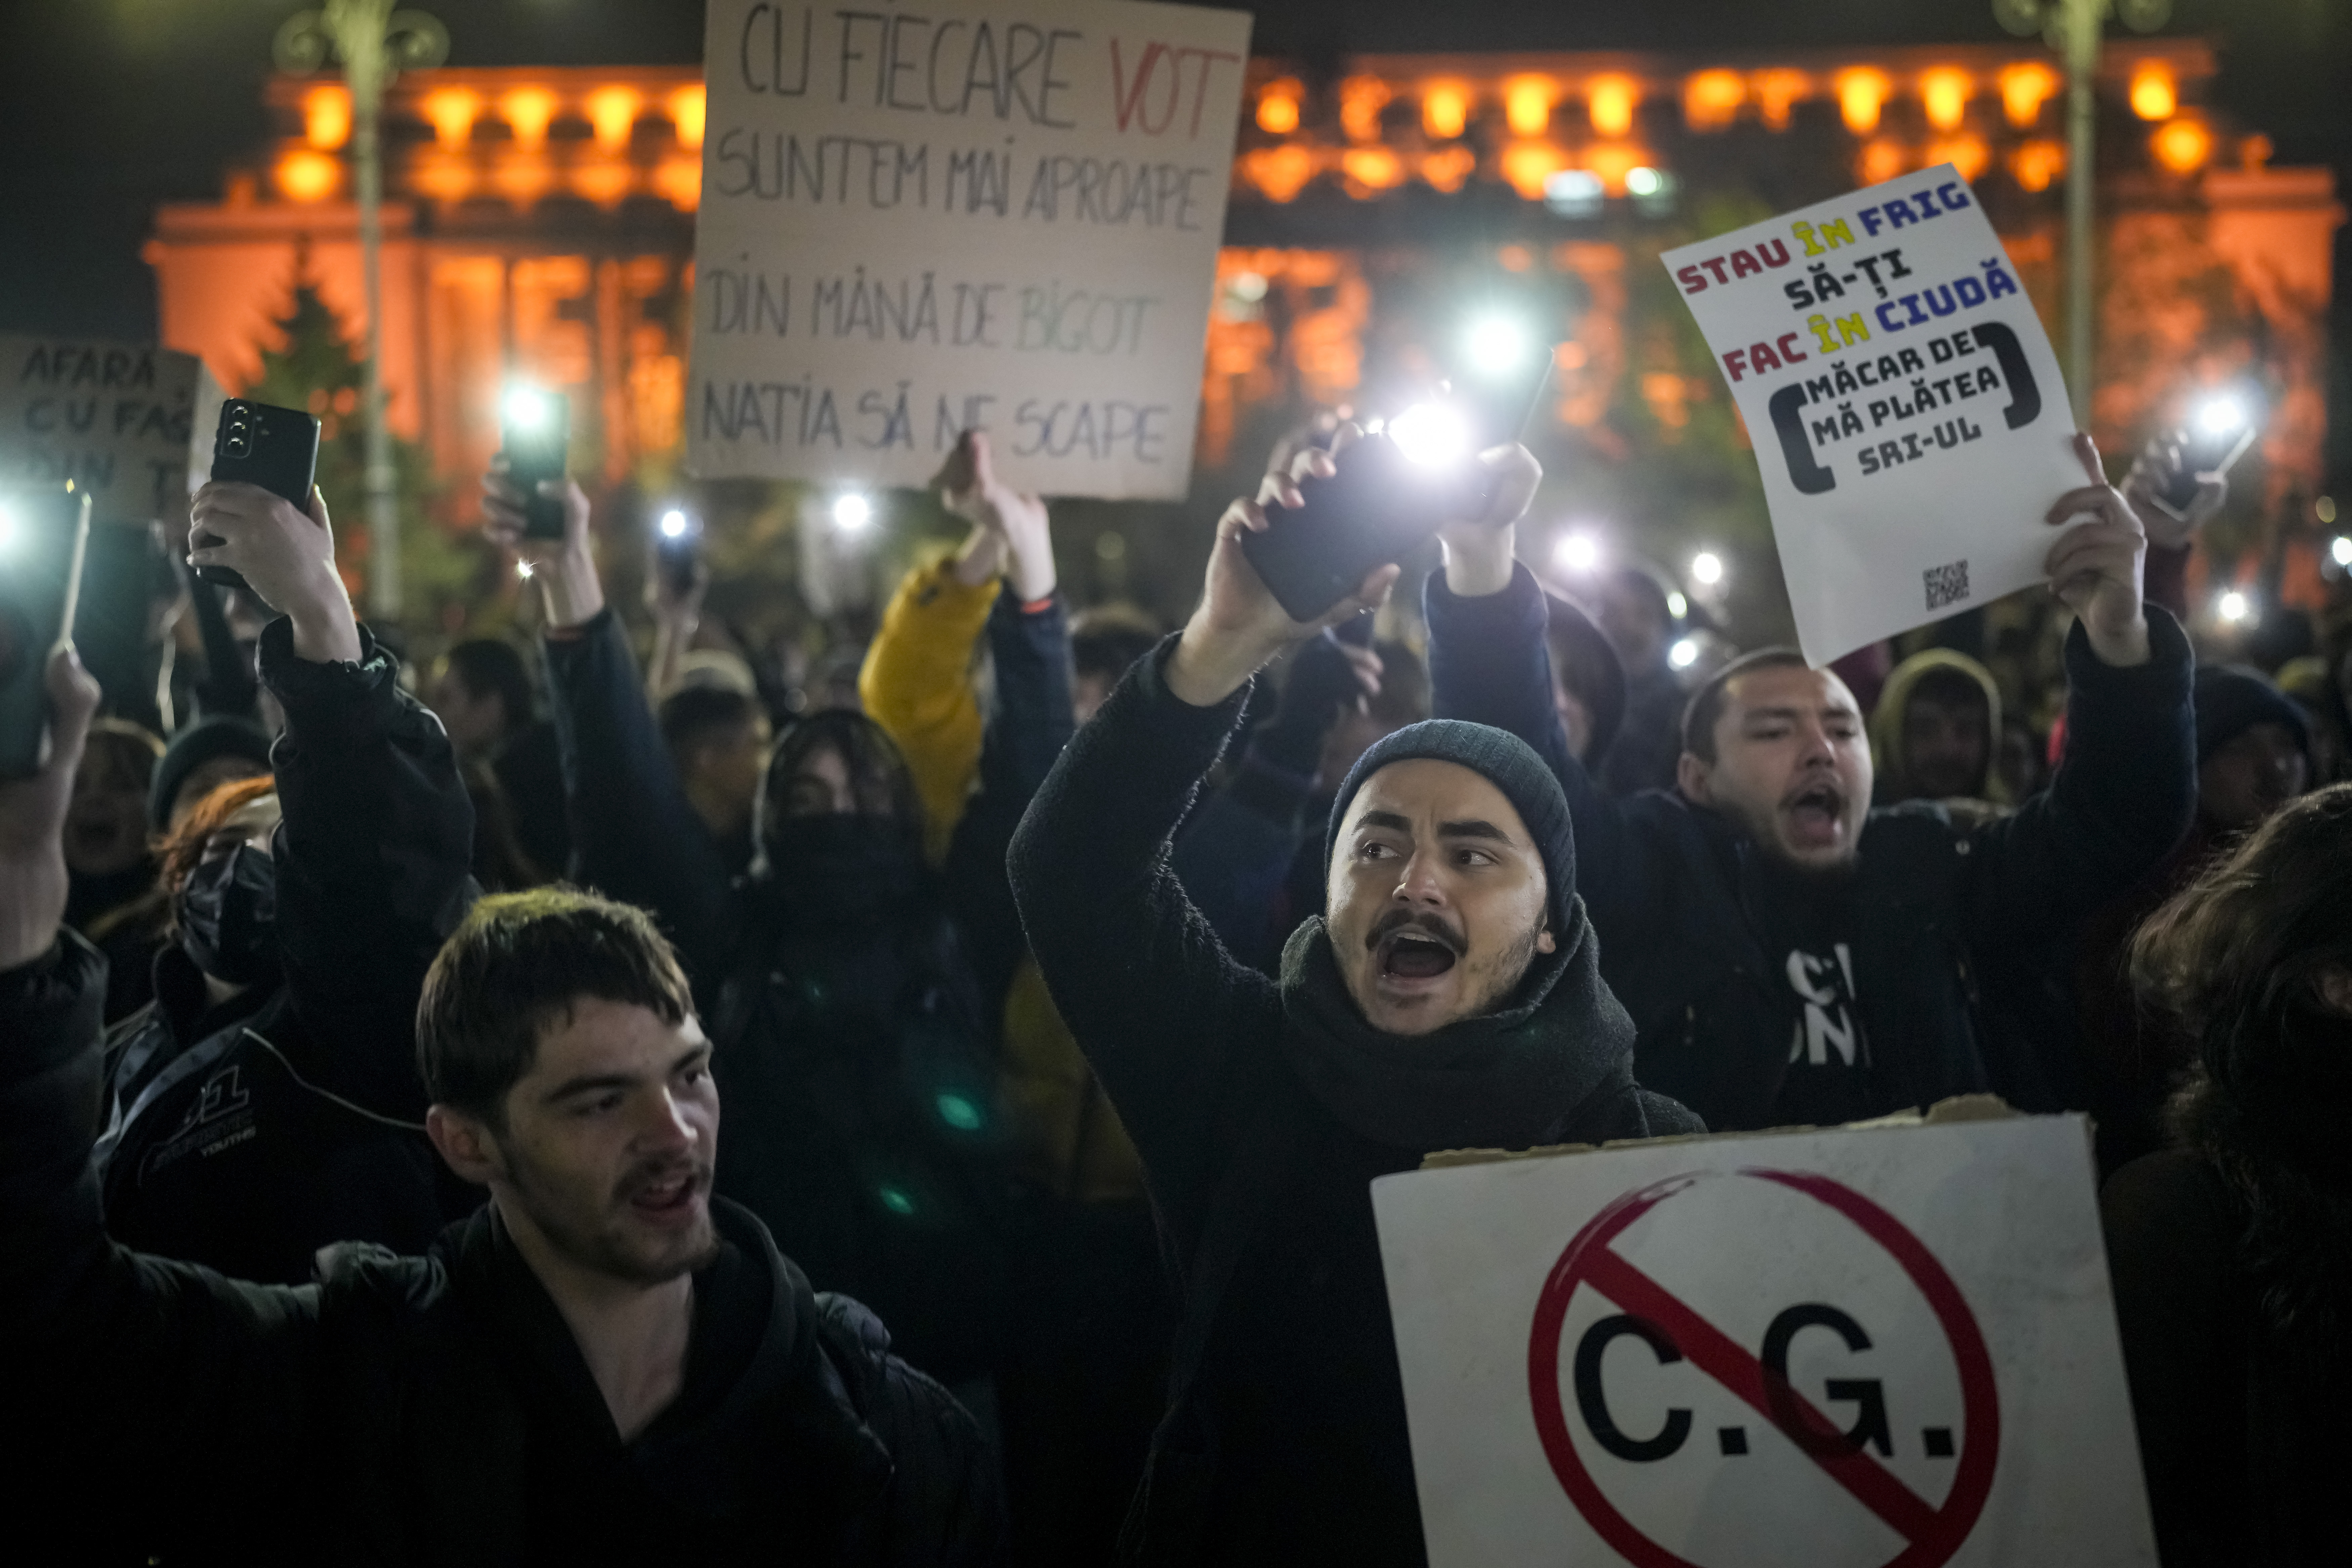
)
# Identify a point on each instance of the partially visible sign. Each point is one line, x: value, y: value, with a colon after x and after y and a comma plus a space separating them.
x: 1909, y: 418
x: 116, y: 418
x: 1869, y: 1347
x: 1001, y: 213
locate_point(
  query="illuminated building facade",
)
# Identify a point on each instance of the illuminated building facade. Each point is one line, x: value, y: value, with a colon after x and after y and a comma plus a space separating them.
x: 540, y: 222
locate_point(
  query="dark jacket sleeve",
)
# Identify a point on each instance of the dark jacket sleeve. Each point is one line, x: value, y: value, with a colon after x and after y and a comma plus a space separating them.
x: 1488, y: 663
x: 1236, y: 851
x: 1161, y: 1011
x: 2121, y: 801
x: 228, y: 688
x: 374, y: 862
x: 122, y: 1365
x: 634, y: 837
x: 945, y: 1505
x: 2171, y: 1234
x: 1029, y: 723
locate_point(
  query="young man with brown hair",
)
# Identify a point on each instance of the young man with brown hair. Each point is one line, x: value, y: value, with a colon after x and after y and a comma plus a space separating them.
x: 601, y: 1364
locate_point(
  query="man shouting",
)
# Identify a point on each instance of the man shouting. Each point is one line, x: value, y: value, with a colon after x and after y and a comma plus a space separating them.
x: 1451, y: 998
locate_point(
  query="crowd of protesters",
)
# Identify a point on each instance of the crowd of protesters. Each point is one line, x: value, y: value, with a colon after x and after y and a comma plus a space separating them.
x: 1065, y: 985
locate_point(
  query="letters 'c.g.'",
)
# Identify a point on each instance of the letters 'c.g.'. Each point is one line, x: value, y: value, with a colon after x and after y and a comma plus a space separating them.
x: 2025, y: 396
x: 1788, y: 418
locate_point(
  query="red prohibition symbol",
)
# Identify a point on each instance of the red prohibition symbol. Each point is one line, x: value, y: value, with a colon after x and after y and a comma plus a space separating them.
x: 1932, y: 1533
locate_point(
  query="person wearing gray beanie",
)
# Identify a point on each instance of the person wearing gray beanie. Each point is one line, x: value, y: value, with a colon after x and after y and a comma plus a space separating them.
x: 1452, y: 998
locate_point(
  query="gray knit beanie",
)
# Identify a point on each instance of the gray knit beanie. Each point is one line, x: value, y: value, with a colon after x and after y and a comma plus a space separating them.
x: 1503, y: 760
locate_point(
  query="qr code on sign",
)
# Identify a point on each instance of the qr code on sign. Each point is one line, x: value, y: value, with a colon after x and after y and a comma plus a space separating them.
x: 1946, y: 585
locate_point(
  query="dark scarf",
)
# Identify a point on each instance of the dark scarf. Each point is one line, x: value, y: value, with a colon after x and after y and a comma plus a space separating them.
x: 1510, y: 1079
x: 2278, y: 1139
x: 836, y: 871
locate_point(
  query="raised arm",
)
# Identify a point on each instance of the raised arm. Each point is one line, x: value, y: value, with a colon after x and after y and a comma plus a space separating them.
x: 634, y: 835
x: 1028, y: 726
x: 2127, y: 789
x: 1236, y: 849
x: 917, y: 679
x: 373, y: 855
x: 121, y: 1364
x: 1152, y: 996
x: 1489, y: 663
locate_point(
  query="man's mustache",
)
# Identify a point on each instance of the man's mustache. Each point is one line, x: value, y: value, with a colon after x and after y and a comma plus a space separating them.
x: 1429, y: 925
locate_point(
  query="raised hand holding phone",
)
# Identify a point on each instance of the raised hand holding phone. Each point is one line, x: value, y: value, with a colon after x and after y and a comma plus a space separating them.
x: 283, y: 553
x: 1240, y: 623
x: 33, y: 878
x: 1436, y: 462
x: 564, y: 566
x: 43, y: 536
x: 257, y: 443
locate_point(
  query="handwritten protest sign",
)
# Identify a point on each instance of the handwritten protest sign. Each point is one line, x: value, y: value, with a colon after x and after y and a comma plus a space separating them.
x: 116, y: 418
x: 994, y: 212
x: 1872, y: 1346
x: 1910, y: 417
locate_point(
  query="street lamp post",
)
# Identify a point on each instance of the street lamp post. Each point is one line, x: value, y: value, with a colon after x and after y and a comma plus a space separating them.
x: 2072, y: 27
x: 375, y: 43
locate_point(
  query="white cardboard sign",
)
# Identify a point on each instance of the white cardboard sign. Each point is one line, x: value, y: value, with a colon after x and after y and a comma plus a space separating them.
x: 1001, y: 214
x: 1855, y: 1349
x: 116, y: 418
x: 1909, y: 418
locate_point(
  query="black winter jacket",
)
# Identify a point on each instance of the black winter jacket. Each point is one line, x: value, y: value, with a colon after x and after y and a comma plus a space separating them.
x: 855, y: 1052
x: 1683, y: 902
x: 428, y: 1409
x: 251, y: 1136
x: 1297, y: 1450
x: 2231, y: 1257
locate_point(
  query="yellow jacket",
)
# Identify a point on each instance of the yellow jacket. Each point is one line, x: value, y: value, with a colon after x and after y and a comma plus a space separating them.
x: 917, y: 684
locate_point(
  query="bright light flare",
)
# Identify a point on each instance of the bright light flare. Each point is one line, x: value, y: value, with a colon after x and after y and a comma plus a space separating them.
x: 1643, y: 181
x: 1430, y: 434
x: 1677, y: 605
x: 673, y: 525
x: 852, y: 512
x: 1496, y: 345
x: 1577, y: 553
x: 526, y: 407
x: 2340, y: 552
x: 522, y: 570
x: 1683, y: 654
x: 2220, y: 415
x: 2234, y: 607
x: 1707, y: 568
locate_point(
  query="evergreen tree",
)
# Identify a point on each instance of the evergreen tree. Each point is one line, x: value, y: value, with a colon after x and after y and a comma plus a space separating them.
x: 320, y: 367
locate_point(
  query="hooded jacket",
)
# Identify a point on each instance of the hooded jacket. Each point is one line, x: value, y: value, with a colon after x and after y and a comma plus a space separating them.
x: 432, y: 1409
x: 2232, y: 1258
x: 1893, y: 709
x: 249, y: 1136
x: 1686, y: 904
x: 855, y: 1035
x: 1264, y: 1110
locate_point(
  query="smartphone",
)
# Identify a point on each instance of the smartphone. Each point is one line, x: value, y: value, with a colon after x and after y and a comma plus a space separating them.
x: 44, y: 538
x: 1386, y: 500
x: 2193, y: 453
x: 257, y: 444
x: 677, y: 548
x: 534, y: 433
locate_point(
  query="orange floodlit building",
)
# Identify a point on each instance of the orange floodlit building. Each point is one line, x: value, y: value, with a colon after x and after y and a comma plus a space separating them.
x: 540, y: 222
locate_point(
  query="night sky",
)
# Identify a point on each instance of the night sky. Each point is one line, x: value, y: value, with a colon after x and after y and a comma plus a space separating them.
x: 108, y: 107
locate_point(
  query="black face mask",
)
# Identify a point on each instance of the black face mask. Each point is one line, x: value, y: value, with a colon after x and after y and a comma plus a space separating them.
x: 229, y: 916
x: 841, y: 864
